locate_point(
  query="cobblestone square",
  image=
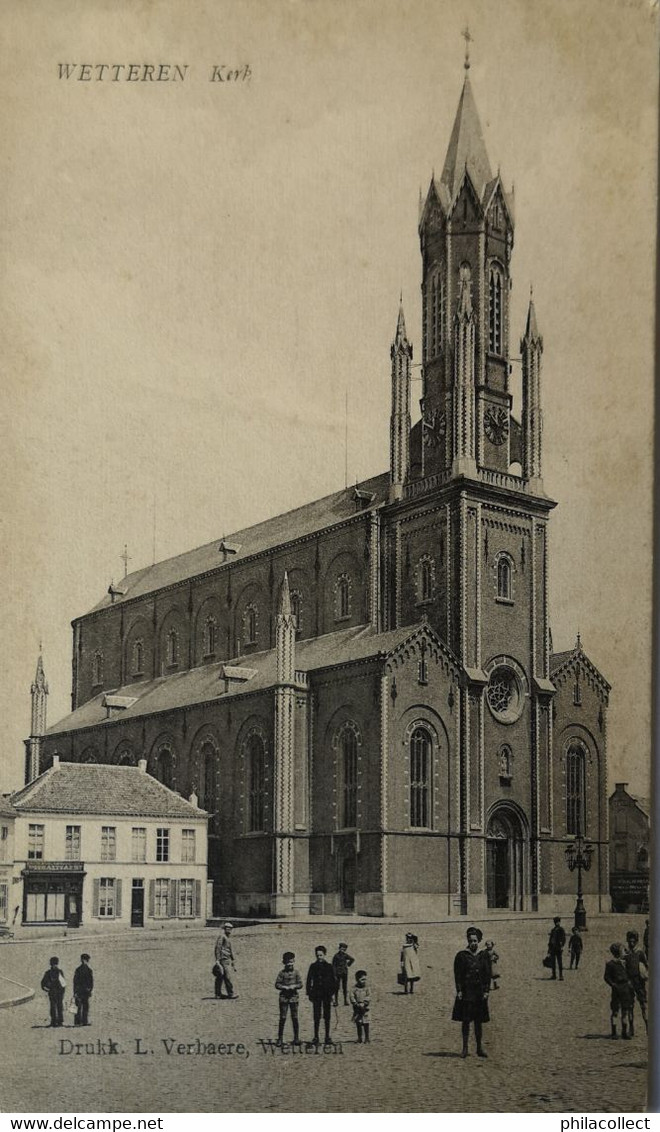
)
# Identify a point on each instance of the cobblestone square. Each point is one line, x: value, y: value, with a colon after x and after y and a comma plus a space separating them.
x: 548, y: 1042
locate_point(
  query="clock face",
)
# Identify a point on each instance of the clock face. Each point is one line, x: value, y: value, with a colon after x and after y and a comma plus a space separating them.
x: 496, y: 425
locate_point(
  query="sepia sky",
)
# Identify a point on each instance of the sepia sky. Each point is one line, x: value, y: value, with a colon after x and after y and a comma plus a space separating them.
x: 195, y: 275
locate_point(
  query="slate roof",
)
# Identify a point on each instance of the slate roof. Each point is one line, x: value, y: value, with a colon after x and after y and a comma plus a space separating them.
x: 206, y: 683
x: 305, y: 520
x: 6, y: 808
x: 467, y: 149
x: 90, y: 788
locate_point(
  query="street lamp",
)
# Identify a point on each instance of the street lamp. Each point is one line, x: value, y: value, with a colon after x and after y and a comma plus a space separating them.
x: 578, y: 856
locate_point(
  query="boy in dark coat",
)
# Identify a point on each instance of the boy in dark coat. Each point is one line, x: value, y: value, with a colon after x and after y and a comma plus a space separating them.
x: 320, y: 988
x: 623, y: 996
x: 83, y: 985
x: 575, y: 944
x: 472, y: 978
x: 637, y: 970
x: 340, y: 964
x: 54, y: 983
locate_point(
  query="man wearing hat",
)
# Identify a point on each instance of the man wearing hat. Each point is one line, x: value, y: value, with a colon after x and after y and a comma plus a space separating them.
x: 83, y: 985
x: 224, y: 963
x: 288, y: 983
x: 54, y: 983
x: 472, y: 978
x: 556, y: 943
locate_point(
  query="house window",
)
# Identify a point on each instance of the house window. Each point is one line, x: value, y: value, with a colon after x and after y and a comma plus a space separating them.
x: 35, y: 842
x: 504, y: 575
x: 349, y: 769
x: 4, y: 889
x: 44, y: 907
x: 138, y: 658
x: 172, y: 648
x: 162, y: 844
x: 210, y: 636
x: 139, y: 843
x: 161, y: 898
x: 108, y: 843
x: 107, y: 898
x: 343, y: 598
x: 256, y: 784
x: 97, y: 667
x: 72, y: 849
x: 250, y: 625
x: 4, y: 835
x: 186, y: 899
x: 420, y: 772
x: 187, y: 846
x: 575, y: 790
x: 495, y: 310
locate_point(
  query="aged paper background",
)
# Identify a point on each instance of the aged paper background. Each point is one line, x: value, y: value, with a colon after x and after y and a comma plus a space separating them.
x: 197, y: 275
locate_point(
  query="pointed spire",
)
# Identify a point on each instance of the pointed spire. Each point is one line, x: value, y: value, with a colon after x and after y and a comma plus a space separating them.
x: 531, y: 329
x: 578, y: 643
x: 285, y: 597
x: 40, y: 684
x: 467, y: 149
x: 400, y: 335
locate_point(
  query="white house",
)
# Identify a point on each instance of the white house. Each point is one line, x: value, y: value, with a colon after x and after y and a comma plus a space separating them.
x: 108, y: 846
x: 7, y: 822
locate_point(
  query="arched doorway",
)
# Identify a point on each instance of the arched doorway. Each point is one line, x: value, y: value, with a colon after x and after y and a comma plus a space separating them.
x: 506, y: 865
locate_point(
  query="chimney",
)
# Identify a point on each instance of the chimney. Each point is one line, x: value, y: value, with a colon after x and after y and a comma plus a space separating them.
x: 56, y: 761
x: 193, y: 799
x: 142, y: 765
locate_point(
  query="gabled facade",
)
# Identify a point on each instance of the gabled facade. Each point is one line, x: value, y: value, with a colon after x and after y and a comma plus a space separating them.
x: 630, y: 837
x: 107, y: 847
x: 361, y: 691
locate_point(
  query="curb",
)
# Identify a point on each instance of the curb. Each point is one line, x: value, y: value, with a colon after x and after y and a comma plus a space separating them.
x: 16, y: 1000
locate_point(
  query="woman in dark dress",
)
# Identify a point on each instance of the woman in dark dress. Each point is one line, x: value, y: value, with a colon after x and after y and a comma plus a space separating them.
x: 472, y: 978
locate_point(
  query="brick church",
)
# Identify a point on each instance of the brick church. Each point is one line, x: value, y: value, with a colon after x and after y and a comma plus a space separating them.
x: 361, y: 692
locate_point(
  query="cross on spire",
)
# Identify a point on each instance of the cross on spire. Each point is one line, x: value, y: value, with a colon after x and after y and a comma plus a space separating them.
x: 468, y: 40
x: 126, y: 558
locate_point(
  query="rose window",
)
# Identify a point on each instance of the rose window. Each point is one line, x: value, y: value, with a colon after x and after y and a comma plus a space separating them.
x: 505, y: 694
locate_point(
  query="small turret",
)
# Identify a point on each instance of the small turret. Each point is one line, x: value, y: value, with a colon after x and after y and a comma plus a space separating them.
x: 531, y: 349
x: 285, y: 637
x: 39, y: 695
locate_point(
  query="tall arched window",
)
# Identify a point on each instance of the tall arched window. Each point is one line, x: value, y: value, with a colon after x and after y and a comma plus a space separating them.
x: 256, y: 778
x: 206, y: 790
x: 172, y: 647
x: 495, y: 292
x: 138, y: 658
x: 165, y: 767
x: 426, y: 580
x: 575, y: 789
x: 420, y: 778
x: 250, y: 624
x: 437, y: 313
x: 210, y: 636
x: 504, y: 572
x: 343, y: 597
x: 296, y: 610
x: 349, y: 751
x: 97, y: 673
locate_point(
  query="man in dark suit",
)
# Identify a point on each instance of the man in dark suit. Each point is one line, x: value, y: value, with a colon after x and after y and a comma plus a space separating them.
x: 54, y: 983
x: 321, y: 987
x: 556, y: 944
x: 83, y: 985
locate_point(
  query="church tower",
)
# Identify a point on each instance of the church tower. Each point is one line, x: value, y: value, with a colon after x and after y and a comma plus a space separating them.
x: 466, y: 237
x: 39, y: 696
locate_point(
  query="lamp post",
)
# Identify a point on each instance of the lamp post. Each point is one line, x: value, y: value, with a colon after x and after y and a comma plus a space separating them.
x: 578, y: 856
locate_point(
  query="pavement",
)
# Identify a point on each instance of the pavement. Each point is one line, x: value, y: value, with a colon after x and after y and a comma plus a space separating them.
x: 159, y: 1041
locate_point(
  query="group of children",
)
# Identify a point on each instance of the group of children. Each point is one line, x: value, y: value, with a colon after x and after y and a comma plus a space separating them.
x: 324, y: 982
x: 626, y: 974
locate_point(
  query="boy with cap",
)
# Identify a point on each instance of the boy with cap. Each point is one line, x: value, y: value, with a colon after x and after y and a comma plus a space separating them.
x: 361, y: 1001
x: 288, y: 983
x: 556, y: 944
x: 83, y: 985
x: 340, y: 964
x: 224, y: 961
x: 321, y: 988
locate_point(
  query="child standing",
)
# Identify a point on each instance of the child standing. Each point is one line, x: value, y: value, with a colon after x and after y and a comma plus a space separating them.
x: 288, y: 983
x: 492, y: 960
x: 340, y: 964
x: 575, y: 948
x: 361, y: 1002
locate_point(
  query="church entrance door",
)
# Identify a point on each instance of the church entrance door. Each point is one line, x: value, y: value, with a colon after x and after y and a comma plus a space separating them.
x: 505, y: 859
